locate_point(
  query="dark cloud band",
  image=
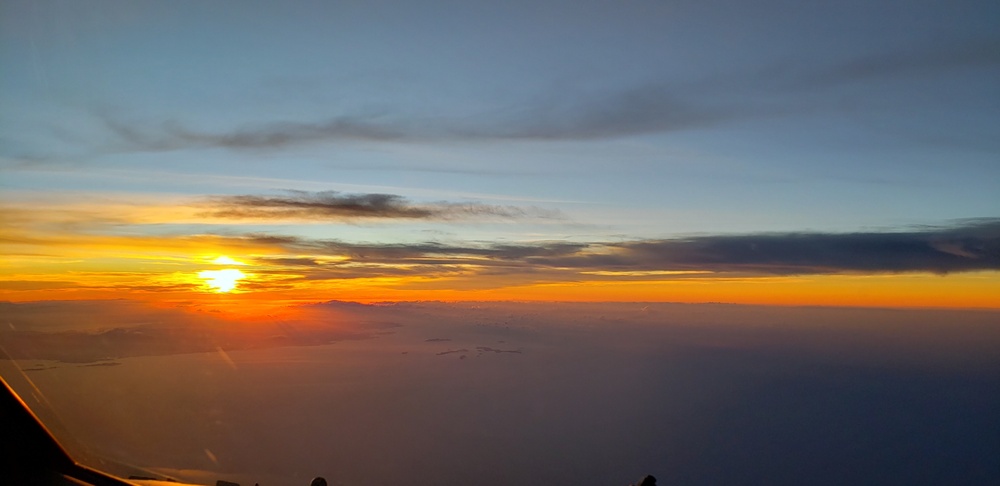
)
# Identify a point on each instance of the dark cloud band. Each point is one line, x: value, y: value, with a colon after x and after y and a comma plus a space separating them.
x: 332, y: 205
x: 969, y: 247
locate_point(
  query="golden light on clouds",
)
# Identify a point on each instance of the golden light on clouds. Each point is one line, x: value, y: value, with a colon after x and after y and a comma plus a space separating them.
x: 224, y: 280
x: 45, y: 255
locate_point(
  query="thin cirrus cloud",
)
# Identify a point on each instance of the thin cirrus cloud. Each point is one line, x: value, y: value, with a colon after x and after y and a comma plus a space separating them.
x: 971, y: 246
x: 651, y: 108
x: 333, y: 206
x: 171, y: 135
x: 922, y: 60
x: 657, y: 106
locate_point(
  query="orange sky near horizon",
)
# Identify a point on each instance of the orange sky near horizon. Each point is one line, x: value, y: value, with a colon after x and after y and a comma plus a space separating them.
x: 268, y: 288
x: 48, y: 258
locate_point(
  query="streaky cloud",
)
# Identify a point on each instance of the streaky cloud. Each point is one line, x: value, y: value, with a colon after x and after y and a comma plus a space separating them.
x: 172, y: 135
x: 940, y: 251
x: 649, y: 108
x: 333, y: 205
x: 916, y: 61
x: 432, y: 252
x: 655, y: 106
x: 970, y: 246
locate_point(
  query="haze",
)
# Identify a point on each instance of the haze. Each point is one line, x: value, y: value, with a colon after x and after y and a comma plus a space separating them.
x: 568, y: 242
x: 515, y: 393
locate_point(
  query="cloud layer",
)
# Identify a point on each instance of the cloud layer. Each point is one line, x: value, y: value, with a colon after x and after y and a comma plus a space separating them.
x: 333, y: 205
x: 655, y: 106
x: 969, y: 247
x: 972, y: 247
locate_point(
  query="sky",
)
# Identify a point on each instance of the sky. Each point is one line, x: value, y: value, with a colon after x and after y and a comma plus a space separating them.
x: 771, y: 152
x: 453, y: 242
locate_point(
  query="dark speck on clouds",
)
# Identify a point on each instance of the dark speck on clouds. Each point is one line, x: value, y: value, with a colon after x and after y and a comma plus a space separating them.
x: 487, y: 349
x: 103, y: 363
x: 695, y: 394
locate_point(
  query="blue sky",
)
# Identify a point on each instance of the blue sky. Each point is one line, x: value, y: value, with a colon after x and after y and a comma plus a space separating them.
x: 638, y: 119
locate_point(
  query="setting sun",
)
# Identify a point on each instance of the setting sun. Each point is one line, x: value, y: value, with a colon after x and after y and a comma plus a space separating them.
x: 222, y: 280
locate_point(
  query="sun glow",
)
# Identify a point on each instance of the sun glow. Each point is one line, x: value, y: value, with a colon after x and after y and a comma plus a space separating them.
x: 224, y: 260
x: 224, y: 280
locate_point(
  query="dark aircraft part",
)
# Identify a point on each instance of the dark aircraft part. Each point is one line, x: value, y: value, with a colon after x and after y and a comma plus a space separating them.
x: 31, y: 456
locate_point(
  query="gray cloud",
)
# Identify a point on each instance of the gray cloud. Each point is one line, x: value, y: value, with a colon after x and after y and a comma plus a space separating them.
x: 972, y: 246
x: 174, y: 136
x: 333, y: 205
x: 917, y: 61
x: 658, y: 106
x: 654, y: 107
x: 426, y: 253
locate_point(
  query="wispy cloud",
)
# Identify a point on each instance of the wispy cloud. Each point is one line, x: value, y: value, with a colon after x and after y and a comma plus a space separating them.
x: 333, y: 205
x: 172, y: 135
x: 915, y: 61
x: 654, y: 107
x: 648, y: 108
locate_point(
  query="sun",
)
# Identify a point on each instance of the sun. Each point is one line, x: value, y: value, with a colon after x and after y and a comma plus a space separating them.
x: 224, y: 280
